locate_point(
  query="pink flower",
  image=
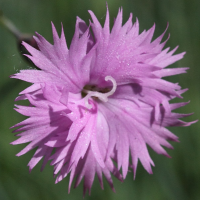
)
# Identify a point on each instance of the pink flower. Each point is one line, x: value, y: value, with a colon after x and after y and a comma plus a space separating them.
x: 98, y: 100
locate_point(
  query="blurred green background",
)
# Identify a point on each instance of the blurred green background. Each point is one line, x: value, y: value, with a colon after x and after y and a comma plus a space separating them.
x: 173, y: 179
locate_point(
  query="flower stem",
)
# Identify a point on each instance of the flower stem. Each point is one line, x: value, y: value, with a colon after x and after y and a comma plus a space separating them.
x: 9, y: 25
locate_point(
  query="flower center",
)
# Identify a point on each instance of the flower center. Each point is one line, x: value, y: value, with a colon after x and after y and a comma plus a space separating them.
x: 98, y: 93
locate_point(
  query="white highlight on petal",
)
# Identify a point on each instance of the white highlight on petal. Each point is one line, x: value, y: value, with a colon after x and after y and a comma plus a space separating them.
x: 101, y: 96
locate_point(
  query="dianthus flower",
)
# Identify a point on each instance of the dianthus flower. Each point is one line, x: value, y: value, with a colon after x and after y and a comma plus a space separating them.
x: 99, y: 99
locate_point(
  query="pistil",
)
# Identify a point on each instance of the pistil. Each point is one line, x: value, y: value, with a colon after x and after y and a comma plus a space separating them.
x: 101, y: 96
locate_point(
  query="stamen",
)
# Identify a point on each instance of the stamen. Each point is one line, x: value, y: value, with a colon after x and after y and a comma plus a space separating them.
x: 101, y: 96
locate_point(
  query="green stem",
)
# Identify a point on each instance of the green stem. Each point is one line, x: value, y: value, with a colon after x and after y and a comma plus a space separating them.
x: 9, y: 25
